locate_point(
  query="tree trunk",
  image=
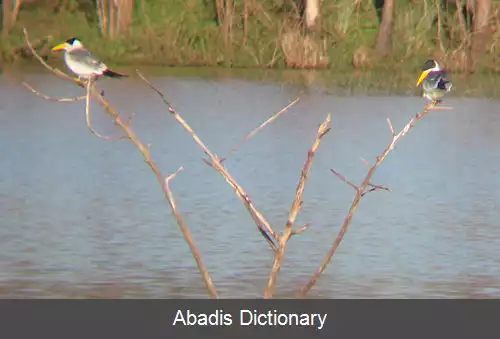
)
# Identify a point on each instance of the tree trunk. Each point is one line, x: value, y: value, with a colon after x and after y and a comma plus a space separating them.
x: 219, y: 5
x: 102, y: 15
x: 311, y: 13
x: 228, y: 13
x: 384, y: 38
x: 124, y: 16
x: 112, y: 18
x: 480, y: 22
x: 6, y: 15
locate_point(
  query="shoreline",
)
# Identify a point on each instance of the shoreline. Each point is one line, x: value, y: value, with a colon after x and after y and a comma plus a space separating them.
x: 375, y: 82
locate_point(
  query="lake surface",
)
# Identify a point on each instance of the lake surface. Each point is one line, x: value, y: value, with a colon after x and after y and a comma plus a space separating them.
x: 81, y: 217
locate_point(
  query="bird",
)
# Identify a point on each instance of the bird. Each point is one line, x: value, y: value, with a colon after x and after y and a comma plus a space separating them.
x: 435, y: 82
x: 81, y: 62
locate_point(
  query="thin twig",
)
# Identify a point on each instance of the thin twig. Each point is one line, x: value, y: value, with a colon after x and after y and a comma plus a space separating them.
x: 301, y: 230
x: 141, y: 148
x: 46, y: 97
x: 262, y: 224
x: 90, y: 84
x: 279, y: 255
x: 359, y: 195
x: 377, y: 188
x: 256, y: 130
x: 390, y: 127
x: 347, y: 181
x: 365, y: 162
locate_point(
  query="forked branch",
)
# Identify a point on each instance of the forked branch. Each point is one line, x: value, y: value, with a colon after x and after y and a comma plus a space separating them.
x: 361, y: 190
x: 90, y: 87
x: 295, y: 209
x: 262, y: 223
x: 144, y: 150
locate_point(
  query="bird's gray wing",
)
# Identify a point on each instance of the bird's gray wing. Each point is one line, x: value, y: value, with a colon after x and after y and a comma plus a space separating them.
x: 84, y: 56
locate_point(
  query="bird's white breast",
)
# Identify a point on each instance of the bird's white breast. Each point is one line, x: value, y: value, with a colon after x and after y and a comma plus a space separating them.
x: 81, y: 68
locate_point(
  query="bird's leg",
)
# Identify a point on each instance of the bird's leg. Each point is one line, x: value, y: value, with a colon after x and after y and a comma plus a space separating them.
x: 431, y: 104
x: 82, y: 82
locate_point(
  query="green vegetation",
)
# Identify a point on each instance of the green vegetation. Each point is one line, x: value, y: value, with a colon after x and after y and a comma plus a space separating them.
x: 260, y: 34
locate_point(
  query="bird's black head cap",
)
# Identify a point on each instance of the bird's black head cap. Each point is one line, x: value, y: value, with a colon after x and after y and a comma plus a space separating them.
x: 429, y: 64
x: 71, y: 40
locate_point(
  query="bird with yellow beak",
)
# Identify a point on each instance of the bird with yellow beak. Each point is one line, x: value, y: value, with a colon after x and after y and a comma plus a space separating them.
x: 435, y: 82
x: 81, y: 62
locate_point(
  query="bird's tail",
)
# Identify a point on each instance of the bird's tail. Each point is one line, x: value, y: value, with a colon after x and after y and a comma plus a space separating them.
x: 111, y: 74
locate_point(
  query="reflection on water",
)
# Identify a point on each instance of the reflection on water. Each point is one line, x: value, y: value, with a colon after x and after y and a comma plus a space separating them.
x: 82, y: 217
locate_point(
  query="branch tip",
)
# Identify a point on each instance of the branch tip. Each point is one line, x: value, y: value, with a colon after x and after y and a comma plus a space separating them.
x: 173, y: 175
x: 260, y: 127
x: 390, y: 127
x: 365, y: 162
x: 46, y: 97
x: 344, y: 179
x: 301, y: 230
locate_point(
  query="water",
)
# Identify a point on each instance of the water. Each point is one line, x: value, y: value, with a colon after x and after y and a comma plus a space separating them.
x: 82, y: 217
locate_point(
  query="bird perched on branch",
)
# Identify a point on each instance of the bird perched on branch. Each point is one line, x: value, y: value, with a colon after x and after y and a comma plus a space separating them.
x: 435, y: 82
x: 81, y: 62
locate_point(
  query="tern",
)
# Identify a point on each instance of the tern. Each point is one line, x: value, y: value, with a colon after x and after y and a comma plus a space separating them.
x: 81, y: 62
x: 435, y: 82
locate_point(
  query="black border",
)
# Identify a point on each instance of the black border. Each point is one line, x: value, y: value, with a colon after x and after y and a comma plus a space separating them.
x: 153, y: 319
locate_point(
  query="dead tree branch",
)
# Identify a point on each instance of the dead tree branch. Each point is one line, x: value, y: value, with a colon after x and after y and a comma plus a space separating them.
x: 147, y: 158
x: 46, y: 97
x: 262, y: 223
x: 187, y: 234
x: 257, y: 130
x: 89, y: 88
x: 279, y: 255
x: 361, y: 190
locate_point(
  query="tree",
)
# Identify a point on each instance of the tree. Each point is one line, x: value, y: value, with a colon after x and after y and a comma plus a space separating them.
x: 384, y: 38
x: 6, y: 15
x: 480, y: 26
x: 9, y: 14
x: 311, y: 13
x: 115, y: 16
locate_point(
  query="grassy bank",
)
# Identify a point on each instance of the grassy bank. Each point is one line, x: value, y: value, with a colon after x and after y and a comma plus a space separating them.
x: 331, y: 82
x: 186, y: 33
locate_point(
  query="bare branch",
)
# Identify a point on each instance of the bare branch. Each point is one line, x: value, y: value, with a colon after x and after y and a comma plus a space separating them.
x: 154, y: 88
x: 147, y: 158
x: 262, y: 224
x: 344, y: 179
x: 365, y: 162
x: 301, y: 230
x: 187, y: 235
x: 377, y: 188
x: 261, y: 126
x: 90, y: 84
x: 279, y: 255
x: 46, y: 97
x: 390, y: 127
x: 359, y: 195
